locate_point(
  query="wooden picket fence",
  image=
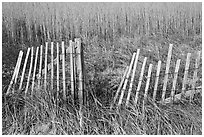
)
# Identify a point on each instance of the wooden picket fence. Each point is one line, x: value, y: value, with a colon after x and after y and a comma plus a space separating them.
x: 124, y: 95
x: 54, y: 65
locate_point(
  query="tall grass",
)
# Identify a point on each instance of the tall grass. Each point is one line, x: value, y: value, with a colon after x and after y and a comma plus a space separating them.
x: 110, y: 33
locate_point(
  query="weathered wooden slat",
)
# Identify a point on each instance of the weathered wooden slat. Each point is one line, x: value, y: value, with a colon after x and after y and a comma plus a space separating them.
x: 140, y: 80
x: 132, y: 78
x: 63, y: 71
x: 195, y: 77
x: 156, y: 80
x: 175, y: 79
x: 40, y: 66
x: 17, y: 71
x: 52, y: 66
x: 167, y: 71
x: 29, y: 73
x: 24, y: 68
x: 72, y: 69
x: 14, y: 73
x: 45, y: 69
x: 185, y: 74
x: 35, y: 65
x: 147, y: 83
x: 126, y: 80
x: 57, y: 67
x: 120, y: 86
x: 78, y: 51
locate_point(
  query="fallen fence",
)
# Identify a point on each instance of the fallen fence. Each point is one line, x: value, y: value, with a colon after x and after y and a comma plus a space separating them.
x: 125, y: 95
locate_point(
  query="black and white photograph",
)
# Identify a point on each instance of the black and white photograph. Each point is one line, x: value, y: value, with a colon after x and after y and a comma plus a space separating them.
x: 101, y: 68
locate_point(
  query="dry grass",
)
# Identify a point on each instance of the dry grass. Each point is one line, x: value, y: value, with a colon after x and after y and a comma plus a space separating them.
x: 110, y: 33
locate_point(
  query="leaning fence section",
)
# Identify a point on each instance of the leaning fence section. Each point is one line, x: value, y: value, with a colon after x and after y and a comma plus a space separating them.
x: 50, y: 66
x: 126, y: 95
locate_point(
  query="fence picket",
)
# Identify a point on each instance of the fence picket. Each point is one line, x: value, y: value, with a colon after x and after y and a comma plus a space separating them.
x: 175, y: 80
x: 185, y: 74
x: 52, y: 66
x: 24, y: 68
x: 132, y: 78
x: 156, y: 80
x: 195, y: 77
x: 140, y: 80
x: 120, y: 86
x: 17, y: 71
x: 147, y: 83
x: 72, y: 69
x: 30, y: 69
x: 126, y: 80
x: 45, y: 69
x: 14, y: 73
x: 57, y: 67
x: 40, y: 67
x: 35, y: 65
x: 63, y: 71
x: 167, y: 71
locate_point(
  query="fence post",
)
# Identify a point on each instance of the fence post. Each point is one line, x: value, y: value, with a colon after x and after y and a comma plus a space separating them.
x: 52, y: 67
x: 71, y: 47
x: 175, y: 80
x: 120, y: 86
x: 63, y: 71
x: 24, y: 68
x: 195, y: 77
x: 166, y: 72
x: 140, y: 80
x: 126, y: 79
x: 30, y: 69
x: 157, y: 80
x: 185, y: 74
x: 45, y: 69
x: 36, y: 59
x: 132, y: 78
x: 40, y: 67
x: 14, y: 73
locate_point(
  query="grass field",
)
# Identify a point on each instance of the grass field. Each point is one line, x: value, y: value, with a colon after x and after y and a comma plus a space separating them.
x: 110, y: 33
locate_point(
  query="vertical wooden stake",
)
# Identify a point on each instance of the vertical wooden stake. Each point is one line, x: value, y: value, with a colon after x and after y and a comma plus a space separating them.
x: 79, y: 62
x: 52, y: 66
x: 195, y: 77
x: 185, y: 75
x: 35, y: 65
x: 57, y: 67
x: 14, y: 73
x: 147, y: 83
x: 175, y: 80
x: 120, y: 86
x: 40, y: 67
x: 132, y: 78
x: 166, y: 72
x: 30, y: 69
x: 24, y: 68
x: 126, y: 80
x: 18, y: 67
x: 45, y: 74
x: 63, y: 71
x: 71, y: 47
x: 140, y: 80
x: 157, y: 80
